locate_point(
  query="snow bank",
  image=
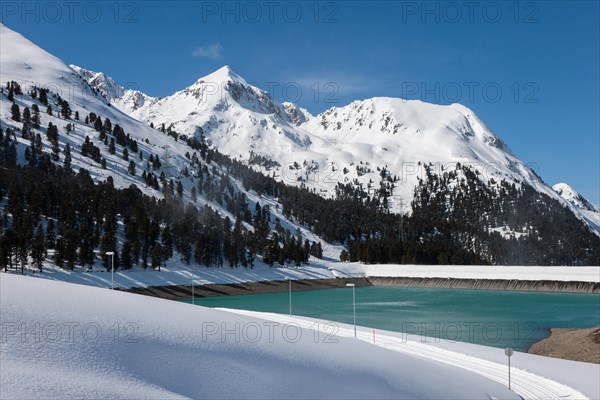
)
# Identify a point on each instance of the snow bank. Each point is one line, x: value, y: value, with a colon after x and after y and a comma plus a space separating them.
x: 181, y: 274
x: 532, y: 376
x: 63, y: 341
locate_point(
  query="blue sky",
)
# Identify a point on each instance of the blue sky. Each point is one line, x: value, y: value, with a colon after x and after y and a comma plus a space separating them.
x: 529, y: 69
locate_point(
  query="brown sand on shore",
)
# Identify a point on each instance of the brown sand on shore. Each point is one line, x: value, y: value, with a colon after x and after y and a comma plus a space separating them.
x: 570, y: 344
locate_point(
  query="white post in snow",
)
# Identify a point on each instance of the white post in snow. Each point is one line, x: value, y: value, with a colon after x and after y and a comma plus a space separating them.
x: 352, y: 285
x: 112, y: 270
x: 509, y: 352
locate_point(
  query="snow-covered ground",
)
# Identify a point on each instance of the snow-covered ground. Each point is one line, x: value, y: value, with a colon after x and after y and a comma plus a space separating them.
x: 181, y: 274
x: 532, y: 376
x: 63, y: 341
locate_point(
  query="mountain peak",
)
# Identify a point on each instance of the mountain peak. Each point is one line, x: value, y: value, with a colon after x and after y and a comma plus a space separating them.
x: 222, y: 75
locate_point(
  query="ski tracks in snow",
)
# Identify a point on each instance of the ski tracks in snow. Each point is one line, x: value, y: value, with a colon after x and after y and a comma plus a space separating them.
x: 524, y: 383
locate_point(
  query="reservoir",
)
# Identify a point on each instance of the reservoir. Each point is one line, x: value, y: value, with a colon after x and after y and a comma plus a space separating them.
x: 491, y: 318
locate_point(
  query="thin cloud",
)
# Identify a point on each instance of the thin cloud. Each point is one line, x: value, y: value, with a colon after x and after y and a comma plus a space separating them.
x: 213, y: 51
x: 345, y: 84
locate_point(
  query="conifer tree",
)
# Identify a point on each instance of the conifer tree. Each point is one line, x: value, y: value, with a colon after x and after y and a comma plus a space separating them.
x: 156, y: 256
x: 35, y: 116
x: 38, y: 247
x: 131, y: 168
x: 15, y: 112
x: 67, y: 160
x: 26, y: 114
x: 43, y: 97
x: 50, y: 234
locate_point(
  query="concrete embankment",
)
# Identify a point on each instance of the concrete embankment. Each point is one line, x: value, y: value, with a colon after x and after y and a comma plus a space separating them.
x: 490, y: 284
x: 175, y: 292
x: 235, y: 289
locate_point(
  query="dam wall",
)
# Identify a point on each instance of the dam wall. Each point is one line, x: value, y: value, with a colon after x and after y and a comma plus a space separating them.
x: 176, y: 292
x: 489, y: 284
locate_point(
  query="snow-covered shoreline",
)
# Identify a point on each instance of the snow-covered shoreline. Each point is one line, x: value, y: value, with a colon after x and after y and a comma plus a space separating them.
x: 61, y: 340
x: 539, y: 373
x: 181, y: 274
x: 68, y: 341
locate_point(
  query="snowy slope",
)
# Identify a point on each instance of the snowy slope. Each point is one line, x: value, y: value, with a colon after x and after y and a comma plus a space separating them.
x: 125, y: 99
x: 67, y: 341
x: 29, y: 65
x: 589, y: 212
x: 350, y: 144
x: 532, y: 377
x: 181, y: 274
x: 242, y: 121
x: 569, y: 194
x: 234, y: 116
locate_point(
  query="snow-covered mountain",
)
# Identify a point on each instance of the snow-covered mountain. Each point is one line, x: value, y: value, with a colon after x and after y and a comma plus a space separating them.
x: 573, y: 197
x: 348, y: 144
x: 125, y: 99
x: 360, y: 143
x: 32, y: 67
x: 368, y: 144
x: 583, y: 206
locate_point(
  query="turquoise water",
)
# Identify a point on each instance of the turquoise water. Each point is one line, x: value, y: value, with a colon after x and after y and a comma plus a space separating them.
x: 492, y: 318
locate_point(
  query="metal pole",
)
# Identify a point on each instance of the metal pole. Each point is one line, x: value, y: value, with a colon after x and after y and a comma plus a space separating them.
x: 352, y: 285
x: 112, y: 273
x: 509, y: 352
x: 508, y: 373
x: 290, y: 290
x: 354, y: 308
x: 401, y: 221
x: 112, y: 269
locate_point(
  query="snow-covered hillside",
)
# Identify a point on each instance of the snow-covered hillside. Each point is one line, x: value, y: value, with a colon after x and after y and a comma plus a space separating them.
x: 361, y: 143
x: 125, y: 99
x: 29, y: 66
x: 108, y: 345
x: 380, y: 143
x: 589, y: 212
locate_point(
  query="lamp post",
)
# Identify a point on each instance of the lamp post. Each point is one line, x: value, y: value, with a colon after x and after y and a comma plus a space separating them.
x: 112, y: 270
x: 193, y: 297
x: 290, y: 291
x: 352, y: 285
x: 509, y: 352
